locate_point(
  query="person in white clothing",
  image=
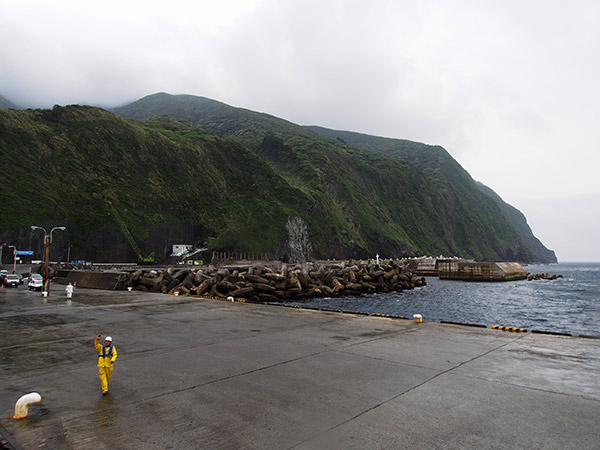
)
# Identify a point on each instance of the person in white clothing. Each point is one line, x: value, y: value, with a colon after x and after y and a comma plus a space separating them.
x: 69, y: 290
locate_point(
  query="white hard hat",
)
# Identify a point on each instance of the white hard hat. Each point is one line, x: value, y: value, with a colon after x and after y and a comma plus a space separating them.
x: 108, y: 338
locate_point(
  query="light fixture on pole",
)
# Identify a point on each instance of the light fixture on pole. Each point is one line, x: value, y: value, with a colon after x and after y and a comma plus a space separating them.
x: 47, y: 242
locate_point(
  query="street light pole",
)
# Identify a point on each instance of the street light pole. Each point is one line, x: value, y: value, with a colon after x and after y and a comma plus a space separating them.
x: 47, y: 242
x: 14, y: 258
x: 46, y: 279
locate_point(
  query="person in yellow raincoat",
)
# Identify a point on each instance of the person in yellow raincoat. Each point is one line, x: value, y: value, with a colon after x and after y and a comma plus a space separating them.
x: 107, y: 354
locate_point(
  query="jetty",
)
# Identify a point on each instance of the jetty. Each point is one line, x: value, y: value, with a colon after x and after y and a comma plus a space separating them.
x: 467, y: 270
x: 197, y: 373
x: 480, y: 271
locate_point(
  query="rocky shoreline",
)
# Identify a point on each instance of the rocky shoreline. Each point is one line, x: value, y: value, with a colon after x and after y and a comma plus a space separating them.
x: 267, y: 283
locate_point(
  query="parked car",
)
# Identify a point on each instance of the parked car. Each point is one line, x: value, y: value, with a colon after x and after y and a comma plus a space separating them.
x: 11, y: 280
x: 36, y: 282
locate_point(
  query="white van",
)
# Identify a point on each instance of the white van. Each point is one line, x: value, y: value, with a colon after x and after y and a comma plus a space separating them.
x: 36, y: 282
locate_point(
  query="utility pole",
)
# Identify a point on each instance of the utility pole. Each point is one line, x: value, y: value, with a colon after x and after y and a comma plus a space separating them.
x: 47, y: 242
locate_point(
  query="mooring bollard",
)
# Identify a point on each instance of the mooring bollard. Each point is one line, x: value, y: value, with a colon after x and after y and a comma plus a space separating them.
x: 419, y: 318
x: 23, y: 403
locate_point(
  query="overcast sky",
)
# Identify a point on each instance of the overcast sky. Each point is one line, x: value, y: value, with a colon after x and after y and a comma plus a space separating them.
x: 508, y: 87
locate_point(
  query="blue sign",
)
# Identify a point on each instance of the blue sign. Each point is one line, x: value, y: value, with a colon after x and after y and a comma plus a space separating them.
x: 25, y: 252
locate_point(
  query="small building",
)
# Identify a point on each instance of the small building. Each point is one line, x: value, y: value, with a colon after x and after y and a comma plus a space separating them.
x: 181, y: 249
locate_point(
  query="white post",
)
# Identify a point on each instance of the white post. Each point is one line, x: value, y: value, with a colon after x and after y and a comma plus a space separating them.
x: 22, y: 405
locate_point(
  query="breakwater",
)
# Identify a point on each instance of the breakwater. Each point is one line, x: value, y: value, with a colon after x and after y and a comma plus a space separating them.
x: 259, y: 282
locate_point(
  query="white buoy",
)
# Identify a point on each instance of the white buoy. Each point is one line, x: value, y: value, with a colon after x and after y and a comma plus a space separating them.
x: 23, y: 403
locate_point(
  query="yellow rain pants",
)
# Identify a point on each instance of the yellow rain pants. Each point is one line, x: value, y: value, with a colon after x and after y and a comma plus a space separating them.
x: 106, y: 359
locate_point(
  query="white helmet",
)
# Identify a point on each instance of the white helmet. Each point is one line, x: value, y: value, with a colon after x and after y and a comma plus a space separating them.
x: 108, y: 338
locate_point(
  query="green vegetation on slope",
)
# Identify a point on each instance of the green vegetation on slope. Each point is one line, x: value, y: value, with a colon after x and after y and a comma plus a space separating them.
x: 360, y: 220
x: 192, y: 170
x: 376, y: 198
x: 511, y: 236
x: 62, y: 165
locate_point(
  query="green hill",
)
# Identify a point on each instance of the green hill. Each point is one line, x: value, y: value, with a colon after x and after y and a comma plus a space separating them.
x: 190, y: 170
x: 169, y: 181
x: 368, y: 195
x: 452, y: 182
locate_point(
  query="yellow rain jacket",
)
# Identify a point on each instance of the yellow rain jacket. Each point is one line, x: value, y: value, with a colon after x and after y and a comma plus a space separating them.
x: 105, y: 354
x: 106, y: 358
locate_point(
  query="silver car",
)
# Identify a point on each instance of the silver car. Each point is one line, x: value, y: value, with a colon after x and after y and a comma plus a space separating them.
x: 11, y: 280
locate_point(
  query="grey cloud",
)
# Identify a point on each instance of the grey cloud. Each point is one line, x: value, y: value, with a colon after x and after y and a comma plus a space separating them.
x: 509, y: 88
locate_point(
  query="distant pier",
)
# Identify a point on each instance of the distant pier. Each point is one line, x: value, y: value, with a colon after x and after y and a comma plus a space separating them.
x: 468, y: 270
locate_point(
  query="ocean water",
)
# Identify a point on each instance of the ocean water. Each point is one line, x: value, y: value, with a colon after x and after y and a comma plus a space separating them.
x: 567, y: 305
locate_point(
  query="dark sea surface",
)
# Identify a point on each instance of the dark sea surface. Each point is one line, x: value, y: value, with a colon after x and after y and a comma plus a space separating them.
x: 567, y: 305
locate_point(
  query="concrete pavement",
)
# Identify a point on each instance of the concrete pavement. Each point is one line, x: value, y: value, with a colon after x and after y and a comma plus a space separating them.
x: 207, y: 374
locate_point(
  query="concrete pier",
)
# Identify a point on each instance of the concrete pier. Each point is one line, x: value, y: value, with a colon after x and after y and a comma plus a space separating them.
x: 208, y: 374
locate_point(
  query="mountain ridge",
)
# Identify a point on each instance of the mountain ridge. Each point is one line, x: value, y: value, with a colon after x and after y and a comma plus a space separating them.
x: 5, y: 103
x: 309, y: 162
